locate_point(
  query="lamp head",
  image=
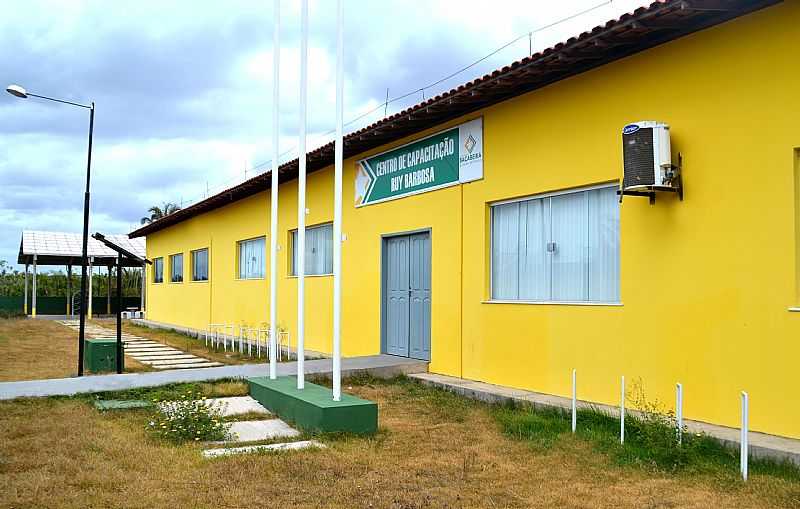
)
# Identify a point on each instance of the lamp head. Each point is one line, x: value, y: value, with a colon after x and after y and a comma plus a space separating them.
x: 17, y: 91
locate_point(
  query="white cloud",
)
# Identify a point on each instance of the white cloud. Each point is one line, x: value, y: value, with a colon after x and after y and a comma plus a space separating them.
x: 184, y: 89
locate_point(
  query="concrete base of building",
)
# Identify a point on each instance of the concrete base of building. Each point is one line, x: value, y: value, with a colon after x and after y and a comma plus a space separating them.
x: 762, y: 445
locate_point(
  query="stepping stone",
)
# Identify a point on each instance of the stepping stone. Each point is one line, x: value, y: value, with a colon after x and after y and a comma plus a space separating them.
x: 139, y: 351
x: 146, y: 358
x: 150, y: 349
x: 187, y: 366
x: 191, y: 360
x: 237, y: 405
x: 289, y: 446
x: 250, y: 431
x: 121, y: 404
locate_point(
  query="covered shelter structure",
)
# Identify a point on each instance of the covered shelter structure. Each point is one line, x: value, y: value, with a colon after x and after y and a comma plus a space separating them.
x: 45, y: 248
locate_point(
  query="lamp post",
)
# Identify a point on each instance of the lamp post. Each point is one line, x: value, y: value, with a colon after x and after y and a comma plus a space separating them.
x: 20, y: 92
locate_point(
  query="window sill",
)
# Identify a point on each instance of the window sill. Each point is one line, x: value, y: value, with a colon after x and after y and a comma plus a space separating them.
x: 794, y: 309
x: 555, y: 303
x: 200, y: 281
x: 310, y: 275
x: 249, y: 279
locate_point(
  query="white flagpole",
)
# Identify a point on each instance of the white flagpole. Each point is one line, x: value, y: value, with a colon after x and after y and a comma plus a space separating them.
x: 337, y: 207
x: 301, y: 199
x: 273, y: 215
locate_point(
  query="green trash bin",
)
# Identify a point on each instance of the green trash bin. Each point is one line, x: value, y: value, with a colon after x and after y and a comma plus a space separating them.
x: 100, y: 355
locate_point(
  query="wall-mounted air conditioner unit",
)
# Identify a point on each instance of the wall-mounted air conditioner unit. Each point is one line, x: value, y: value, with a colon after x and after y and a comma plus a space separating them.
x: 647, y: 160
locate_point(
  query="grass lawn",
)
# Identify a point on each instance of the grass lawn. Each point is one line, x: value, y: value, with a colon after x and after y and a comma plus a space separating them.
x: 433, y: 449
x: 37, y: 349
x: 195, y: 346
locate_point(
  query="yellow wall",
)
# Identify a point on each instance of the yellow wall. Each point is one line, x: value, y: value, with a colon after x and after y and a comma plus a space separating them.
x: 706, y: 283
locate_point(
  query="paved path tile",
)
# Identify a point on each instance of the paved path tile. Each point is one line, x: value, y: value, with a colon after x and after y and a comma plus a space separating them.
x: 237, y: 405
x: 146, y: 351
x: 289, y: 446
x: 251, y: 431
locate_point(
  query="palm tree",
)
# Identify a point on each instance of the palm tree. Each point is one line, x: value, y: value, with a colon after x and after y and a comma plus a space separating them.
x: 157, y: 212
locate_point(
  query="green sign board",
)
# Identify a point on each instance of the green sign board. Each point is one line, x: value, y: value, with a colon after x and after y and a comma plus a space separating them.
x: 443, y: 159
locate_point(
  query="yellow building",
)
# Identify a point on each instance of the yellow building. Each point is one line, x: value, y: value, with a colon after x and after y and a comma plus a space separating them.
x: 518, y: 271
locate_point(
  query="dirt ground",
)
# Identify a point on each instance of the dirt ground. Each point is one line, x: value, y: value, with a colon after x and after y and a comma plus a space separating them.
x: 433, y: 450
x: 38, y: 349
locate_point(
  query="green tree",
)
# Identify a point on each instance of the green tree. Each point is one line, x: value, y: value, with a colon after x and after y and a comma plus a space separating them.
x: 157, y: 212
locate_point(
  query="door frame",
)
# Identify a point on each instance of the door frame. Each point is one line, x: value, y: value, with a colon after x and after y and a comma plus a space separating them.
x: 384, y: 262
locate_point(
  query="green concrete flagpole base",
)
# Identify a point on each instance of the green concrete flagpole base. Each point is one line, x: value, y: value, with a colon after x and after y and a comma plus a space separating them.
x: 313, y: 409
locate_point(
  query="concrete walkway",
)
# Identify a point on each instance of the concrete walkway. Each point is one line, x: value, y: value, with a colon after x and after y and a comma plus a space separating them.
x: 761, y: 444
x: 377, y: 365
x: 146, y: 351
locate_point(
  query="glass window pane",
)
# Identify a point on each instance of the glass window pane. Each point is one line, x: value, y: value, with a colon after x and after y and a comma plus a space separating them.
x: 604, y: 245
x: 176, y: 268
x: 534, y: 260
x: 319, y: 250
x: 570, y: 235
x: 251, y: 258
x: 505, y: 251
x: 200, y: 265
x: 158, y: 270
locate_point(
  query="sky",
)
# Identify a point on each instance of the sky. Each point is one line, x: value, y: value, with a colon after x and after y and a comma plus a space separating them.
x: 183, y: 90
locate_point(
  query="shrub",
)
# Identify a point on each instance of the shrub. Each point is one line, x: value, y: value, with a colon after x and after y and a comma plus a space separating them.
x: 188, y: 419
x: 654, y: 431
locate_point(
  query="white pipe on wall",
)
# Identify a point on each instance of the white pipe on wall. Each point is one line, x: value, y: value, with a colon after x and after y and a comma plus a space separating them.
x: 273, y: 216
x: 337, y: 207
x: 622, y: 412
x: 744, y: 449
x: 679, y: 411
x: 574, y: 401
x: 301, y: 199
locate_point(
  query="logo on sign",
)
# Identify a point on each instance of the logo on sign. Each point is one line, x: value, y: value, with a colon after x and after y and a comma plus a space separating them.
x: 630, y: 129
x: 470, y: 144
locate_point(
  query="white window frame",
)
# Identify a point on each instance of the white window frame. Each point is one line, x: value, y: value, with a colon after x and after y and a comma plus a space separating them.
x: 550, y: 194
x: 208, y: 265
x: 292, y: 268
x: 238, y: 267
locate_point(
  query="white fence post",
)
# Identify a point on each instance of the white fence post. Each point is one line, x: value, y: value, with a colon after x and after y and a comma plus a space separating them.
x: 679, y: 411
x: 574, y: 403
x: 622, y: 412
x: 744, y: 449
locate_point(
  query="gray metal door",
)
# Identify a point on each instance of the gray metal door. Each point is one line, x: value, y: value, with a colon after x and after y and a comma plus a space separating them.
x: 408, y: 295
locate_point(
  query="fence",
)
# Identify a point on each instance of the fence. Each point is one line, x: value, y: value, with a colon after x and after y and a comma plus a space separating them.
x: 58, y: 305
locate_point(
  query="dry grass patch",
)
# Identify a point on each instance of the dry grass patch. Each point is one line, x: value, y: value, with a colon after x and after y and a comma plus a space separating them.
x: 36, y: 349
x: 433, y: 450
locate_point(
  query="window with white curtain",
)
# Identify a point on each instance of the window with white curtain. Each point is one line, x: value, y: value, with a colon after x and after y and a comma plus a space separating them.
x: 319, y: 250
x: 176, y: 268
x: 251, y: 258
x: 200, y: 265
x: 158, y: 270
x: 557, y: 248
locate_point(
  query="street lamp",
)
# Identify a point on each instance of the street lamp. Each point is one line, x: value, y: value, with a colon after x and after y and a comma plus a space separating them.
x: 18, y: 91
